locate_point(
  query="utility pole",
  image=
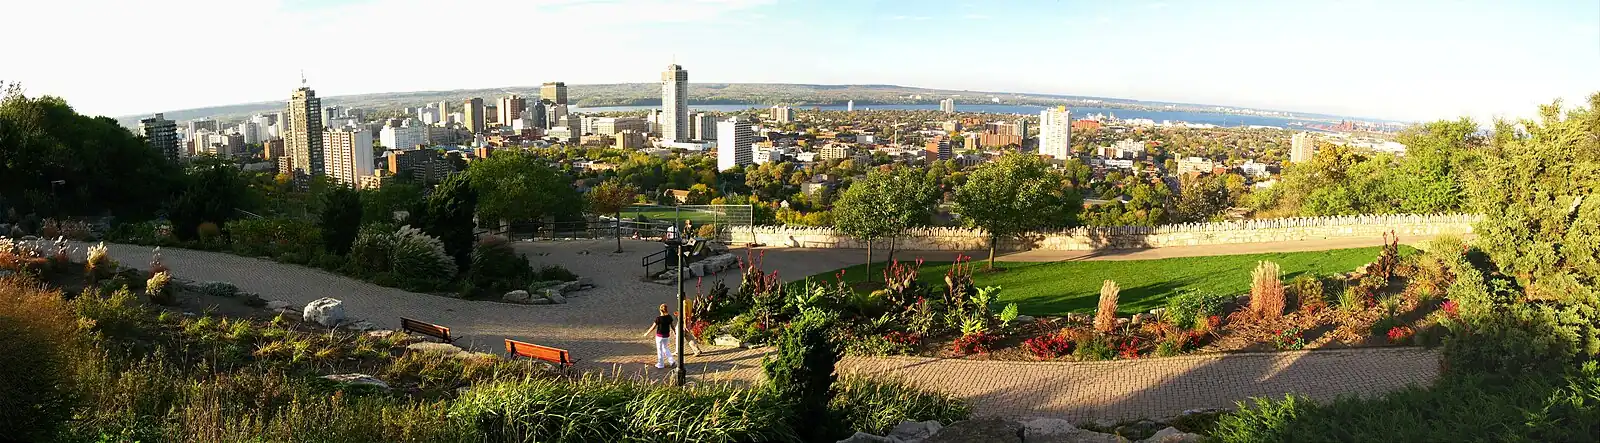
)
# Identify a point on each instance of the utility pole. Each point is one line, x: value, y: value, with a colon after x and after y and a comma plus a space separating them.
x: 679, y: 373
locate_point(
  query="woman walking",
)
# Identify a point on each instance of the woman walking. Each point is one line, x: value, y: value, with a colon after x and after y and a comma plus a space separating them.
x: 662, y: 328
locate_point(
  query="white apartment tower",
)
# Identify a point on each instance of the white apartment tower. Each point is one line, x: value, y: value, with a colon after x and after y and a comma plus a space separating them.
x: 783, y: 114
x: 675, y: 104
x: 1301, y: 147
x: 302, y: 137
x: 947, y: 105
x: 705, y: 127
x: 403, y: 137
x: 348, y: 155
x: 734, y: 139
x: 1055, y: 133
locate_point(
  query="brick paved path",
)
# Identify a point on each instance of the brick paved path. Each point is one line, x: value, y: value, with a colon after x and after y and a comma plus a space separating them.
x: 604, y: 327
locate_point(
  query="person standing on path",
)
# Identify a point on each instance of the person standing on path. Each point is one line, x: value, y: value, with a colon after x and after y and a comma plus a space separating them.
x: 662, y: 328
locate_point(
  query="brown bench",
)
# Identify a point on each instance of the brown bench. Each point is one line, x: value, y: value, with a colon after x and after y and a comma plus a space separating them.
x: 556, y: 356
x: 424, y: 328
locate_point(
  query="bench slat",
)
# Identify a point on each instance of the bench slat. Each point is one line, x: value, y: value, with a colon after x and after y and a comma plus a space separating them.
x: 539, y: 352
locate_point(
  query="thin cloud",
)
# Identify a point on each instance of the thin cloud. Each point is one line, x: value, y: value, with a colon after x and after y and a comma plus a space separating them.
x: 976, y: 17
x: 909, y: 17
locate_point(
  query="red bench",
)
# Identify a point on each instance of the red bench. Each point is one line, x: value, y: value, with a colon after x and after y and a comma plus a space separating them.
x: 424, y: 328
x: 556, y: 356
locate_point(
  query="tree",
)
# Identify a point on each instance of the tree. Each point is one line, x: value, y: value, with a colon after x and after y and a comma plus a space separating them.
x: 1015, y: 194
x: 884, y: 204
x: 610, y: 197
x: 518, y: 186
x: 447, y: 215
x: 340, y: 218
x: 215, y: 192
x: 379, y: 205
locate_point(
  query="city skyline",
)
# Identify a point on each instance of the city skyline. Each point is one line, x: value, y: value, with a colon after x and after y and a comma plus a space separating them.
x: 1414, y: 61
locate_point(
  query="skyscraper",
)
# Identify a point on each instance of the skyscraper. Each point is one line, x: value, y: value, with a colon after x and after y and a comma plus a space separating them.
x: 510, y: 108
x: 783, y: 114
x: 472, y: 116
x: 734, y: 139
x: 1055, y: 132
x: 705, y: 127
x: 349, y: 155
x: 161, y: 134
x: 850, y: 106
x: 1301, y: 146
x: 303, y: 135
x: 555, y: 92
x: 947, y: 105
x: 444, y: 112
x: 675, y: 104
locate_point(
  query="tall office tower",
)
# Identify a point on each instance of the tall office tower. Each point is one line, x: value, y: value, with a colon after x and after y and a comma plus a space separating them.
x: 705, y: 127
x: 349, y: 155
x: 303, y: 134
x: 444, y: 112
x: 675, y: 104
x: 1301, y: 147
x: 510, y: 108
x: 537, y: 114
x: 1055, y: 132
x: 1022, y: 129
x: 428, y: 115
x: 783, y: 114
x: 850, y: 106
x: 555, y: 92
x: 734, y: 139
x: 553, y: 115
x: 472, y: 116
x: 250, y: 132
x: 947, y: 105
x: 161, y: 134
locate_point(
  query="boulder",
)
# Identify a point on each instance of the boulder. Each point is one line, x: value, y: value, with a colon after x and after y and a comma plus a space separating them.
x: 1042, y: 427
x: 862, y: 437
x: 324, y: 311
x: 1025, y: 319
x: 1173, y: 435
x: 697, y: 269
x: 728, y: 340
x: 567, y: 287
x: 517, y: 296
x: 914, y: 430
x: 428, y: 346
x: 979, y: 430
x: 357, y: 379
x: 541, y: 301
x: 1139, y: 429
x: 556, y: 298
x: 218, y: 289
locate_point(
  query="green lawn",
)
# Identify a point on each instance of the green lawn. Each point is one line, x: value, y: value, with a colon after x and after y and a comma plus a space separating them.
x: 1056, y: 288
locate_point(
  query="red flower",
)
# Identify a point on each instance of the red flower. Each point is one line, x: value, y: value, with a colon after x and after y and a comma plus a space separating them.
x: 1450, y: 308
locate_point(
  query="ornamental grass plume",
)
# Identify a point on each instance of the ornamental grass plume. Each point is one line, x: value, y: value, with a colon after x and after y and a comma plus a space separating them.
x: 1266, y: 291
x: 1105, y: 317
x: 100, y: 265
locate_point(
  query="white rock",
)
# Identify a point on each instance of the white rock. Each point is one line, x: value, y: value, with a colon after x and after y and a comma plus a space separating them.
x: 728, y: 340
x: 428, y: 346
x: 517, y: 296
x: 862, y: 437
x: 1173, y: 435
x: 324, y: 311
x: 277, y: 304
x: 914, y: 431
x: 380, y: 334
x: 1042, y: 427
x: 357, y: 379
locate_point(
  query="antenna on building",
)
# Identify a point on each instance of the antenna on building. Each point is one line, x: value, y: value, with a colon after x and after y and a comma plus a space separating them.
x: 302, y: 78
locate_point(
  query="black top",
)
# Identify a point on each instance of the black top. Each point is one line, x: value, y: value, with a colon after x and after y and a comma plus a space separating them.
x: 664, y: 326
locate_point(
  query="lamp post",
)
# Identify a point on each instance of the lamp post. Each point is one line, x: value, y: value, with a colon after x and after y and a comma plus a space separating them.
x: 55, y: 200
x: 676, y: 243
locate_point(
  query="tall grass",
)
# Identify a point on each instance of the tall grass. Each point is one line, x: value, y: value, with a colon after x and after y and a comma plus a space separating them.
x: 599, y: 409
x: 876, y: 406
x: 37, y: 331
x: 1105, y: 316
x: 1266, y: 292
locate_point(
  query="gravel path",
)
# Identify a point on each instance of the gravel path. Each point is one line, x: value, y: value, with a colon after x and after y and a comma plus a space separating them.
x: 604, y: 328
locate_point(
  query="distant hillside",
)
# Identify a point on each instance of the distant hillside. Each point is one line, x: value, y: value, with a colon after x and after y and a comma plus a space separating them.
x: 644, y: 94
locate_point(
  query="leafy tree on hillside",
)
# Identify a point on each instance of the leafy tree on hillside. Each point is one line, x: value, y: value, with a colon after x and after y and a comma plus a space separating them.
x: 883, y: 205
x: 1429, y: 179
x: 1014, y: 195
x: 517, y: 186
x: 340, y: 218
x: 447, y: 215
x: 611, y: 197
x: 215, y: 192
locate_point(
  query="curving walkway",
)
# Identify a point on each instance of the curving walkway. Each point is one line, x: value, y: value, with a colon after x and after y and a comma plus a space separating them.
x: 605, y: 328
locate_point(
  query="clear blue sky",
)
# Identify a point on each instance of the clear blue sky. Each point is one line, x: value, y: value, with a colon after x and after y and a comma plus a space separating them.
x: 1403, y: 59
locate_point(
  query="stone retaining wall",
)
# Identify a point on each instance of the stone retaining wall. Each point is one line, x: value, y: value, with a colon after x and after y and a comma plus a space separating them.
x: 1129, y: 237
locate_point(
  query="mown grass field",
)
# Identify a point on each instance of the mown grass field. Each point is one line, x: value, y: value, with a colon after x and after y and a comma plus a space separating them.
x: 1056, y: 288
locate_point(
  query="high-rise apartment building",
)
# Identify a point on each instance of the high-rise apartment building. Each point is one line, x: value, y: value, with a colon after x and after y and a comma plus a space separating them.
x: 1055, y: 133
x: 782, y: 114
x: 348, y: 155
x: 1301, y: 147
x: 553, y: 115
x: 734, y: 139
x: 303, y: 134
x: 510, y: 108
x: 947, y: 105
x: 272, y: 150
x: 204, y: 123
x: 444, y: 112
x: 402, y: 136
x: 938, y: 148
x: 675, y: 104
x: 850, y: 106
x: 705, y: 127
x: 250, y: 132
x: 472, y: 116
x: 161, y: 134
x: 555, y: 92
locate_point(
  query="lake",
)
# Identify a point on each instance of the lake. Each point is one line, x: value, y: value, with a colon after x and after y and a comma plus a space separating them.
x: 1077, y: 112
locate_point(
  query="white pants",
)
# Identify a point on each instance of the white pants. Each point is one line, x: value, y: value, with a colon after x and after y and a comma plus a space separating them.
x: 664, y: 352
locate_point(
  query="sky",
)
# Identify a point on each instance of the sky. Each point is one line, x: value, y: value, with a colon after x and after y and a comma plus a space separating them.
x: 1410, y: 60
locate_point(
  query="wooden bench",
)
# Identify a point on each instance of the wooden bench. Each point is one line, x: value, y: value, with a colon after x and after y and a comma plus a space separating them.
x: 424, y: 328
x: 556, y: 356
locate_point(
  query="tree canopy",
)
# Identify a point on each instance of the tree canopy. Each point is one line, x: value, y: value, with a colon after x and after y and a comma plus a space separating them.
x: 520, y: 186
x: 1016, y: 194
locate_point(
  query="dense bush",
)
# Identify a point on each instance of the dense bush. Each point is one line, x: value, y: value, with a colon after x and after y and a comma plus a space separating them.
x: 877, y: 406
x: 371, y: 249
x: 274, y: 237
x: 497, y: 267
x: 555, y: 273
x: 447, y: 215
x: 1189, y: 309
x: 420, y: 260
x: 594, y: 409
x: 40, y: 333
x: 340, y: 218
x: 801, y: 371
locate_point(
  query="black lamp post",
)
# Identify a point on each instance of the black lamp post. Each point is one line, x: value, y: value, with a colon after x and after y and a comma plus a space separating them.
x: 676, y: 243
x: 55, y: 200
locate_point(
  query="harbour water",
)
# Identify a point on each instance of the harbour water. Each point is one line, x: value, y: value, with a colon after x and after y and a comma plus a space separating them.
x: 1158, y: 116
